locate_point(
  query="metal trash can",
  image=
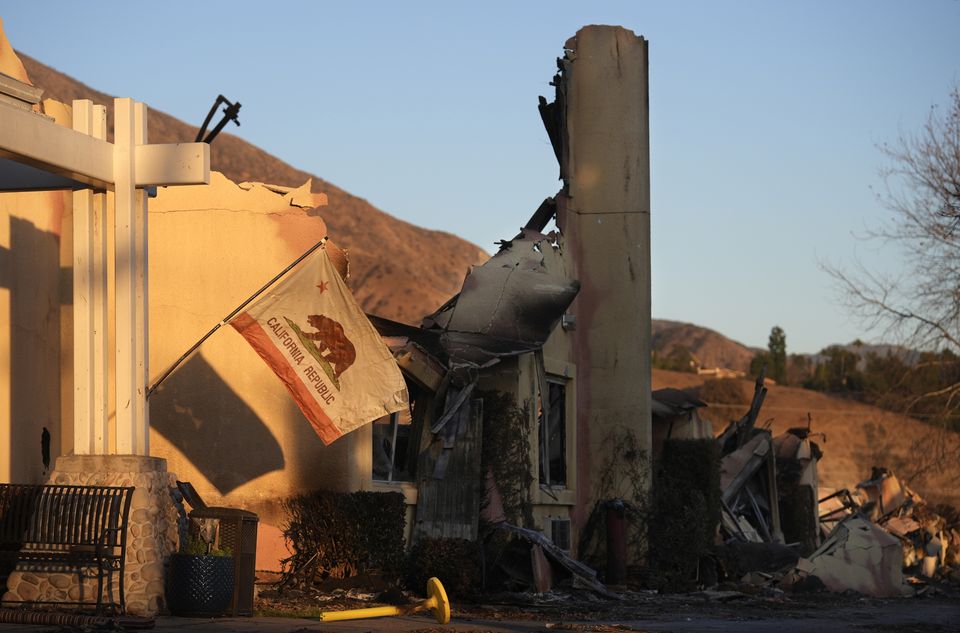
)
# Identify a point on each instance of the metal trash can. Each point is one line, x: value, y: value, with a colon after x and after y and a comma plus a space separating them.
x: 238, y: 532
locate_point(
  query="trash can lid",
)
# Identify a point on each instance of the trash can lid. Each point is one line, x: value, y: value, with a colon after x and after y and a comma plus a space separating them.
x: 222, y: 513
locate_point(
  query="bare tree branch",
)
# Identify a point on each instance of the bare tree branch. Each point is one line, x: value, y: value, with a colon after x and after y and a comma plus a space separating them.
x: 919, y: 309
x: 952, y: 390
x: 923, y: 194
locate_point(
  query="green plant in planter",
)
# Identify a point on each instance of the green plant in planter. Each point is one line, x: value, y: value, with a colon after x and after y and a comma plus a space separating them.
x: 199, y: 547
x: 200, y: 579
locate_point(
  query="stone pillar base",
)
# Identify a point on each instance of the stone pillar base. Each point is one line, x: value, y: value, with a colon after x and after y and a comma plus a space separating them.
x: 151, y: 537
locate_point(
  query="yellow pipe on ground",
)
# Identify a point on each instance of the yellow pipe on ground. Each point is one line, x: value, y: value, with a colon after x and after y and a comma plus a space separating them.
x: 436, y: 601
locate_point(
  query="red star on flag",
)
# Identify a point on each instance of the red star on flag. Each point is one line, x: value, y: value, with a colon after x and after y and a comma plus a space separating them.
x: 323, y: 286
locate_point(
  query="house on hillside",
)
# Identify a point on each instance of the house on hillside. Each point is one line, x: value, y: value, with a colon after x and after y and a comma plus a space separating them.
x: 720, y: 372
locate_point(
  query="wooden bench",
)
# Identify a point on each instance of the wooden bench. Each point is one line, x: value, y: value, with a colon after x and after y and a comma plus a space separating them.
x: 66, y: 529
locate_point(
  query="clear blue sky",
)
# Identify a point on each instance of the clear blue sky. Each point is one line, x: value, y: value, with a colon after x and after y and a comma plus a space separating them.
x: 765, y: 118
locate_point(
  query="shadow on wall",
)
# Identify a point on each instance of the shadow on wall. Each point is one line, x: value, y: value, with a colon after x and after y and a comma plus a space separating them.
x: 30, y: 270
x: 221, y: 436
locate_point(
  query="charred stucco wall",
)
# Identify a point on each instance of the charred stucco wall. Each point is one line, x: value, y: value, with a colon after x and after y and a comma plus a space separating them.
x: 519, y: 376
x: 223, y: 420
x: 605, y: 217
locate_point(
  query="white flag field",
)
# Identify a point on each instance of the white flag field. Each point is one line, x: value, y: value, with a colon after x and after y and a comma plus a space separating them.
x: 314, y: 336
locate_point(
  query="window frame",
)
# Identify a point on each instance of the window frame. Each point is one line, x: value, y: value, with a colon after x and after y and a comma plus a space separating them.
x: 394, y: 422
x: 544, y: 446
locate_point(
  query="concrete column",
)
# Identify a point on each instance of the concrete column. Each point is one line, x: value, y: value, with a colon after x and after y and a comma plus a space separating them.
x: 605, y: 217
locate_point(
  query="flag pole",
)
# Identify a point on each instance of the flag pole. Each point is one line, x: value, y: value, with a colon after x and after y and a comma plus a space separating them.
x: 227, y: 318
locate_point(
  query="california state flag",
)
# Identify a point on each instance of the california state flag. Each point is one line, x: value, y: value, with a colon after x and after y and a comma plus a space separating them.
x: 313, y: 335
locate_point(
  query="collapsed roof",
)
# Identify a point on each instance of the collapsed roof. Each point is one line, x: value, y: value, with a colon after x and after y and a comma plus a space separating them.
x: 507, y: 306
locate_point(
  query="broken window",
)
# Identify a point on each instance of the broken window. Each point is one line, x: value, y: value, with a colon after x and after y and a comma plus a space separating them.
x: 553, y: 435
x: 391, y: 441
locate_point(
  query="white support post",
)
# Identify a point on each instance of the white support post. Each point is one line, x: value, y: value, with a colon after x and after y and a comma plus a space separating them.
x: 36, y: 153
x: 83, y: 301
x: 101, y: 316
x: 141, y: 329
x: 130, y: 340
x: 90, y: 291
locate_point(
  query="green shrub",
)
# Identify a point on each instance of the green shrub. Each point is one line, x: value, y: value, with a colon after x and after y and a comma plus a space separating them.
x: 455, y: 561
x: 337, y: 534
x: 686, y: 511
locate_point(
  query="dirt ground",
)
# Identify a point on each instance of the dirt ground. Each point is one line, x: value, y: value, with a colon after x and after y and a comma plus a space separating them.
x: 937, y: 610
x: 748, y: 609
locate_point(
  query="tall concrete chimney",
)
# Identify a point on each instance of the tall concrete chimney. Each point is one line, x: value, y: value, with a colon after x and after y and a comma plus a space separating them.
x: 604, y: 213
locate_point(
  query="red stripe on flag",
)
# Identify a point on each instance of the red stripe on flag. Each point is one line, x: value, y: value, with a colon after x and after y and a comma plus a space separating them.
x: 250, y: 329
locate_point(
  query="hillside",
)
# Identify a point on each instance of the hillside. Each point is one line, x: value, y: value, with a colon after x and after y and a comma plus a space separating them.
x: 398, y: 270
x: 857, y: 436
x: 711, y: 348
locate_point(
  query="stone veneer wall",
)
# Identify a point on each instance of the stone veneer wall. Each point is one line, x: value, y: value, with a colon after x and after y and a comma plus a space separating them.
x: 152, y: 534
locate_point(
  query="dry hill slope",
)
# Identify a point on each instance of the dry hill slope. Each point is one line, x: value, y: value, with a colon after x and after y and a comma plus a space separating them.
x: 398, y: 270
x: 711, y: 348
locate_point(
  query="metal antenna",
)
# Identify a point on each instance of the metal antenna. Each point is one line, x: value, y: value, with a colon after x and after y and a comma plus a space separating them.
x: 230, y: 113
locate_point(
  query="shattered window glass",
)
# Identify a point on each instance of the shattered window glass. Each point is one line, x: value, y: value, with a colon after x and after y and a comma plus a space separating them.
x: 553, y: 436
x: 391, y: 441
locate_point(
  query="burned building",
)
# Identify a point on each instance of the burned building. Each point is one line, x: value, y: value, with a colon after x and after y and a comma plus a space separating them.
x: 558, y: 319
x: 554, y: 328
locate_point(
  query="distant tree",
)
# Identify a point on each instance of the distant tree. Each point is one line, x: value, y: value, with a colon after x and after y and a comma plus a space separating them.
x: 836, y: 371
x: 892, y: 383
x: 777, y: 347
x: 883, y: 380
x: 798, y: 369
x: 920, y: 308
x: 758, y: 362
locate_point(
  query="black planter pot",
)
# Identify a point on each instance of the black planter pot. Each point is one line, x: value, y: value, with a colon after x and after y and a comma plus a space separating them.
x: 199, y: 586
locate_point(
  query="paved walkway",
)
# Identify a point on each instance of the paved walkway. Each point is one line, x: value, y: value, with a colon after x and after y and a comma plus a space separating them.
x: 941, y: 616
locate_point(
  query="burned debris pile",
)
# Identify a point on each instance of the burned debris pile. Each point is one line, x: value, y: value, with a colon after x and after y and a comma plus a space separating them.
x: 879, y: 539
x: 925, y: 537
x: 740, y: 509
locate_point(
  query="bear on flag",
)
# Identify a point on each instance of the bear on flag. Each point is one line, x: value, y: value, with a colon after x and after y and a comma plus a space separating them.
x: 314, y: 336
